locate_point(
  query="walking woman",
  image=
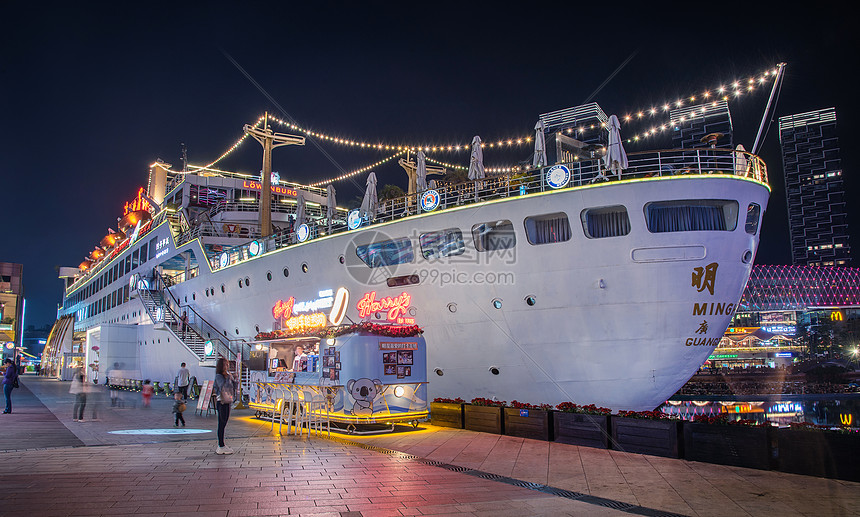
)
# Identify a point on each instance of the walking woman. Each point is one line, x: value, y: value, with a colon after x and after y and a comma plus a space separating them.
x: 225, y: 392
x: 10, y: 380
x: 78, y: 389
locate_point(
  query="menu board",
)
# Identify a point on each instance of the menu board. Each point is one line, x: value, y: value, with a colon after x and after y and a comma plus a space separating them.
x: 205, y: 396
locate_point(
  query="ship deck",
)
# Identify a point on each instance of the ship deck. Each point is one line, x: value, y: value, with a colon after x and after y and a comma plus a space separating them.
x: 53, y: 466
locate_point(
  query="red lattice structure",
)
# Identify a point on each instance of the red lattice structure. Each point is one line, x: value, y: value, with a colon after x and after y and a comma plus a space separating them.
x: 792, y: 288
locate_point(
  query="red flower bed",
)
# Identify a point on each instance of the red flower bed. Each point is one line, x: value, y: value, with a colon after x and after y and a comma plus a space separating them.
x: 365, y: 326
x: 525, y: 405
x: 646, y: 415
x: 480, y: 401
x: 589, y: 409
x: 443, y: 400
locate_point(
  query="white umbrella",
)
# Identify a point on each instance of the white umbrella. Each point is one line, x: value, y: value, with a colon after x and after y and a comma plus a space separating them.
x: 540, y: 145
x: 300, y: 210
x: 476, y: 162
x: 421, y: 173
x: 432, y: 184
x: 615, y: 158
x: 370, y: 202
x: 331, y: 204
x: 741, y: 162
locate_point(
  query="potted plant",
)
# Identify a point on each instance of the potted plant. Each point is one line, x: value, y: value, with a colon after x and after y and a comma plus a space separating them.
x: 814, y: 450
x: 581, y: 425
x: 716, y: 439
x: 447, y: 412
x: 528, y: 420
x: 647, y: 432
x: 484, y: 415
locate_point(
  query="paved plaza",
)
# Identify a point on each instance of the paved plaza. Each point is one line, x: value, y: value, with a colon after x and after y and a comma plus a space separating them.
x: 52, y: 465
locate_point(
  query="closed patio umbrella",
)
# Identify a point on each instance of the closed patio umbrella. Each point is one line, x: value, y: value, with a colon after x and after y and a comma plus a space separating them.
x: 615, y: 158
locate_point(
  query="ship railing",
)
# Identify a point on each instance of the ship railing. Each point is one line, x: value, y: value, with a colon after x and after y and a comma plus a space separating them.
x: 312, y: 210
x: 530, y: 180
x: 197, y: 325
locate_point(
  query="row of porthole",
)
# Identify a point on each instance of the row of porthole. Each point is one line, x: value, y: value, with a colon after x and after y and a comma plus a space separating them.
x: 497, y: 303
x: 247, y: 281
x: 492, y: 369
x: 153, y: 341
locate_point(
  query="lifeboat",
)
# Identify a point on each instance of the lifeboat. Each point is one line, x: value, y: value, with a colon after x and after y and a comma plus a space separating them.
x: 132, y: 218
x: 97, y: 254
x: 83, y: 266
x: 112, y: 239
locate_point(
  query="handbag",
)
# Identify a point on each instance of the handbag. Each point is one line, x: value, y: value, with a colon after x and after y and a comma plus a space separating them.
x: 181, y: 408
x: 226, y: 395
x: 15, y: 383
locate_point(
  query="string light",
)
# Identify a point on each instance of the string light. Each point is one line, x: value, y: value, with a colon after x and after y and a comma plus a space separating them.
x: 357, y: 171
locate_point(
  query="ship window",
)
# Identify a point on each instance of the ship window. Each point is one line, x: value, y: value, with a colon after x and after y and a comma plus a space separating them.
x: 269, y: 276
x: 692, y: 215
x: 608, y: 221
x: 135, y: 261
x: 386, y: 253
x: 444, y: 243
x: 753, y: 213
x: 548, y: 228
x: 286, y: 272
x: 152, y: 248
x: 143, y: 249
x: 495, y: 235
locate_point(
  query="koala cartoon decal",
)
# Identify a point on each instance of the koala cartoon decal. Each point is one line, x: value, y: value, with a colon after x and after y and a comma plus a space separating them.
x: 363, y: 391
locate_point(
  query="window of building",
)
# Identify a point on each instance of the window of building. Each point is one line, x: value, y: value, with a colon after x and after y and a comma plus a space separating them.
x: 494, y: 235
x: 386, y: 253
x: 607, y: 221
x: 753, y: 214
x: 444, y: 243
x: 547, y: 228
x: 693, y: 215
x: 143, y: 251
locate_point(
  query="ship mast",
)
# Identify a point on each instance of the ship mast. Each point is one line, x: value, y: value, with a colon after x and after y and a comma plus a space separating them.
x: 269, y: 140
x: 777, y: 85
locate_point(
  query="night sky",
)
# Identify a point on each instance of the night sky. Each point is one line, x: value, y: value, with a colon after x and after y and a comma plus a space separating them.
x: 91, y: 96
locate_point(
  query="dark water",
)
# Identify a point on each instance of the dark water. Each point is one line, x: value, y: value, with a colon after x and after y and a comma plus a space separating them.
x: 830, y: 410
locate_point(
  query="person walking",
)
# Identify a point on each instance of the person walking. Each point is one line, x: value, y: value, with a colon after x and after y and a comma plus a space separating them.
x: 182, y: 380
x: 146, y: 392
x: 183, y: 324
x: 225, y: 392
x: 79, y: 390
x: 10, y: 381
x: 178, y: 409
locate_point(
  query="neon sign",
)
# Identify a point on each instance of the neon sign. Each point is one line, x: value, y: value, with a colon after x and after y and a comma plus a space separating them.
x: 846, y: 419
x: 396, y: 306
x: 138, y: 203
x: 276, y: 189
x: 283, y: 308
x: 290, y: 312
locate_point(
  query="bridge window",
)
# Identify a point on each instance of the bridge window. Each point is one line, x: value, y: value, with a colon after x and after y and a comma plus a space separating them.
x: 608, y: 221
x: 692, y: 215
x: 548, y: 228
x: 753, y: 214
x: 386, y: 253
x: 444, y: 243
x: 494, y: 235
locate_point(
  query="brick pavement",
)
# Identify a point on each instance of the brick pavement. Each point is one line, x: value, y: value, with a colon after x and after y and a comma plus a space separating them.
x: 439, y: 472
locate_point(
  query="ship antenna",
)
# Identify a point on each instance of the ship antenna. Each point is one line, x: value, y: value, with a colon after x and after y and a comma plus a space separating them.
x: 774, y: 92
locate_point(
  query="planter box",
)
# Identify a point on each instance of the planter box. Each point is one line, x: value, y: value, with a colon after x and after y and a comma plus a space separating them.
x: 528, y: 423
x: 729, y: 445
x: 655, y: 437
x: 446, y: 414
x: 819, y: 453
x: 580, y: 429
x: 485, y: 419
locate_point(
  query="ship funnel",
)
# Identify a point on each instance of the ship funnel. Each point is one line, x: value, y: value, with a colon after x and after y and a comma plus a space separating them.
x: 158, y: 181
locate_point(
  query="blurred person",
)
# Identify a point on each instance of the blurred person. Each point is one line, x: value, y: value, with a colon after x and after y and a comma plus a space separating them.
x: 146, y: 392
x: 178, y: 409
x: 79, y: 390
x: 224, y: 391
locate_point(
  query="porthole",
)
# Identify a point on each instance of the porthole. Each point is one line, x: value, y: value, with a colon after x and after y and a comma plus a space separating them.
x: 747, y: 257
x: 413, y: 311
x: 530, y: 300
x: 237, y: 331
x: 186, y: 298
x: 247, y: 281
x: 286, y: 272
x: 225, y: 333
x: 207, y: 292
x: 269, y: 276
x: 497, y: 303
x: 452, y: 307
x: 240, y: 283
x: 438, y: 371
x: 193, y: 296
x: 341, y: 259
x: 304, y: 267
x: 494, y: 370
x: 257, y: 328
x: 223, y: 289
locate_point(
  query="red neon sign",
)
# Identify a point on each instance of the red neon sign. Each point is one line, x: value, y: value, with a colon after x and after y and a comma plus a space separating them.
x: 396, y: 306
x: 137, y: 204
x: 283, y: 308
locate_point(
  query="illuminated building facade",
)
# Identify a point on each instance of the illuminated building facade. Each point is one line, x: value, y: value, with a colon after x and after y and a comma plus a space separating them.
x: 11, y: 306
x: 814, y: 189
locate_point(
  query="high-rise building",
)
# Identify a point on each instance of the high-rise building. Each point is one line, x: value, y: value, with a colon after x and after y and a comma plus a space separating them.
x: 11, y: 307
x: 814, y: 189
x: 691, y: 124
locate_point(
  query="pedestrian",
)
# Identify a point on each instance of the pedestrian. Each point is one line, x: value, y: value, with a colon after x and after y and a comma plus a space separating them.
x: 183, y: 324
x: 113, y: 382
x: 10, y: 381
x: 224, y: 391
x: 147, y: 392
x: 182, y: 380
x: 80, y: 393
x: 178, y: 409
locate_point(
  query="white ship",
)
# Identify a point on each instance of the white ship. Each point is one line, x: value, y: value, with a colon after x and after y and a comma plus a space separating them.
x: 556, y: 283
